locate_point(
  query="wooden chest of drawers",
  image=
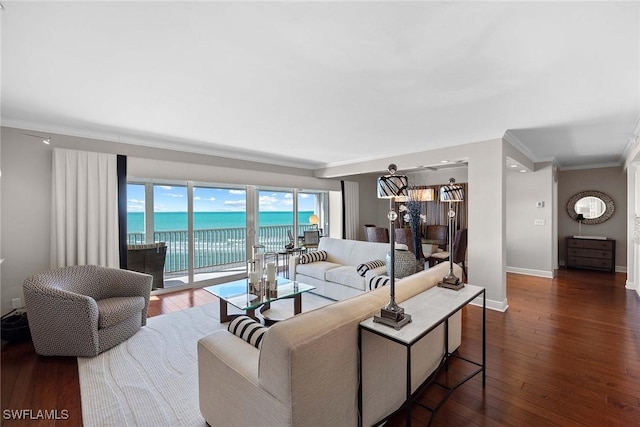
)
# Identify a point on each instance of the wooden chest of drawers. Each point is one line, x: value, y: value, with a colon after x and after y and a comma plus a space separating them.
x: 593, y: 254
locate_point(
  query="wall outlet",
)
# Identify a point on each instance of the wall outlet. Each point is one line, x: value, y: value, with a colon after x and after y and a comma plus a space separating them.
x: 16, y: 303
x: 539, y: 222
x: 539, y: 204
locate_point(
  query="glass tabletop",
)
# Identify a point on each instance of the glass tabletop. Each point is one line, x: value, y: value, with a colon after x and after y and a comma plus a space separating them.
x: 237, y: 292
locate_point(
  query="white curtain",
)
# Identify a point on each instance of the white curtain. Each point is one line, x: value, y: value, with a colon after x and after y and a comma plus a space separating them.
x: 351, y: 209
x: 84, y: 212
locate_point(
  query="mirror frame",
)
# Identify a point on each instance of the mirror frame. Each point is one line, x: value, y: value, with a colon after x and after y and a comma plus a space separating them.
x: 609, y: 206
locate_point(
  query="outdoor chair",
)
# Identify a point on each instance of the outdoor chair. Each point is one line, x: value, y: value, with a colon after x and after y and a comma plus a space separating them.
x: 150, y: 259
x: 311, y: 239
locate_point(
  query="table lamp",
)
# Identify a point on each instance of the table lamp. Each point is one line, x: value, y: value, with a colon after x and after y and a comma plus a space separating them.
x: 393, y: 187
x: 452, y: 193
x: 314, y: 220
x: 580, y: 218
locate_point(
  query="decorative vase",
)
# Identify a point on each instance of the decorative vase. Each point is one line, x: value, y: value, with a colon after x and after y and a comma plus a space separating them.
x: 405, y: 263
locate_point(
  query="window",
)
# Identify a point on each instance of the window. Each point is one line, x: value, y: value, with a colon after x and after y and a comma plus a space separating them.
x: 275, y: 218
x: 171, y: 225
x: 313, y: 211
x: 206, y: 226
x: 219, y: 231
x: 135, y: 214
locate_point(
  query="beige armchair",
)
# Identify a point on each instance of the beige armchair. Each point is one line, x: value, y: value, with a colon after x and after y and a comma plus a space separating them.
x: 85, y: 310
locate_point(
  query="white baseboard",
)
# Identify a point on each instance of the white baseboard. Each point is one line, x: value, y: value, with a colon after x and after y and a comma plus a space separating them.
x: 550, y: 274
x: 492, y: 304
x: 531, y: 272
x: 633, y: 287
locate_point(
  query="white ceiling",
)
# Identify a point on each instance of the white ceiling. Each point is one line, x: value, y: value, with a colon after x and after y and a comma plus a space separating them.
x: 314, y: 84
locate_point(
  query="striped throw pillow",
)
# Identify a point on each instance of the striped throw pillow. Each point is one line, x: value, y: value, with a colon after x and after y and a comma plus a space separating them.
x: 378, y: 281
x: 248, y: 329
x: 313, y: 257
x: 363, y: 268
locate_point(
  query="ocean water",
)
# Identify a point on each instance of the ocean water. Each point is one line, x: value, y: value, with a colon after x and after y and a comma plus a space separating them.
x: 174, y: 221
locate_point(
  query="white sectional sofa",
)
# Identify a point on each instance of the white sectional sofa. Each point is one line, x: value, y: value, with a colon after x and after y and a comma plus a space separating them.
x: 337, y: 278
x: 306, y: 372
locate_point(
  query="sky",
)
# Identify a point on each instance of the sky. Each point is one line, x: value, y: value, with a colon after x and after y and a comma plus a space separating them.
x: 174, y: 199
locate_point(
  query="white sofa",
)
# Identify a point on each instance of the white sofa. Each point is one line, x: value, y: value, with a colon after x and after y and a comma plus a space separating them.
x: 337, y: 278
x: 306, y: 372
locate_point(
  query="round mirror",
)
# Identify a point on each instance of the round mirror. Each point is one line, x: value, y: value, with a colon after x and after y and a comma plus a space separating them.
x: 590, y: 207
x: 595, y: 206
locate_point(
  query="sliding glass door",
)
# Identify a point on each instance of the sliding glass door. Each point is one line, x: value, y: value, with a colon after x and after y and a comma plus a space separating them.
x: 313, y: 211
x: 275, y: 219
x: 171, y: 226
x: 210, y: 230
x: 219, y: 232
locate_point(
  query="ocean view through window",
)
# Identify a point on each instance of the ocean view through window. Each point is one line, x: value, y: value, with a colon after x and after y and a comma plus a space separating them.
x: 209, y: 238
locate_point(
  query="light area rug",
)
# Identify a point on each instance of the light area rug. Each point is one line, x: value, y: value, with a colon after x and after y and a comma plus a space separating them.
x: 152, y: 378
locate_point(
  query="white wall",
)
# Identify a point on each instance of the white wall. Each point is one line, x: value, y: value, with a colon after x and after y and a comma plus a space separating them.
x: 487, y: 221
x: 528, y: 244
x: 632, y: 166
x: 26, y: 207
x: 486, y: 250
x: 26, y: 191
x: 633, y: 224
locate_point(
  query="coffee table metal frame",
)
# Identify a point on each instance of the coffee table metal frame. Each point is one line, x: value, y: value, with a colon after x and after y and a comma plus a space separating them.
x: 237, y: 294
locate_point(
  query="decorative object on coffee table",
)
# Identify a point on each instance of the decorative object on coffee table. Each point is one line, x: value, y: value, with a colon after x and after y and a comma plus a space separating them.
x: 451, y: 193
x: 392, y: 187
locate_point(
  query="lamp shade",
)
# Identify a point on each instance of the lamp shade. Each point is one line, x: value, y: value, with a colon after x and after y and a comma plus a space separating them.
x: 422, y: 194
x: 314, y: 220
x: 393, y: 185
x: 451, y: 192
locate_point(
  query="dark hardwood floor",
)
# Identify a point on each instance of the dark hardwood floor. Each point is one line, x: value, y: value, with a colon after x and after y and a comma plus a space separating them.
x: 566, y: 353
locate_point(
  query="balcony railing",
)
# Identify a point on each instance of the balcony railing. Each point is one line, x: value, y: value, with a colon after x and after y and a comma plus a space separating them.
x: 216, y: 247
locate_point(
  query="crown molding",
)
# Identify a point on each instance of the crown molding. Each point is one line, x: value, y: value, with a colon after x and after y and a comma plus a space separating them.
x: 593, y: 166
x: 519, y: 145
x: 636, y: 127
x: 186, y: 146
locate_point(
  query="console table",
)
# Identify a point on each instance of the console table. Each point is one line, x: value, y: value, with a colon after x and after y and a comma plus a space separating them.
x: 429, y: 310
x: 592, y: 254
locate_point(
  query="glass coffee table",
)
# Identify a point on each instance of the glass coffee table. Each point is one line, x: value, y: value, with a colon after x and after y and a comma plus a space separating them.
x: 237, y: 293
